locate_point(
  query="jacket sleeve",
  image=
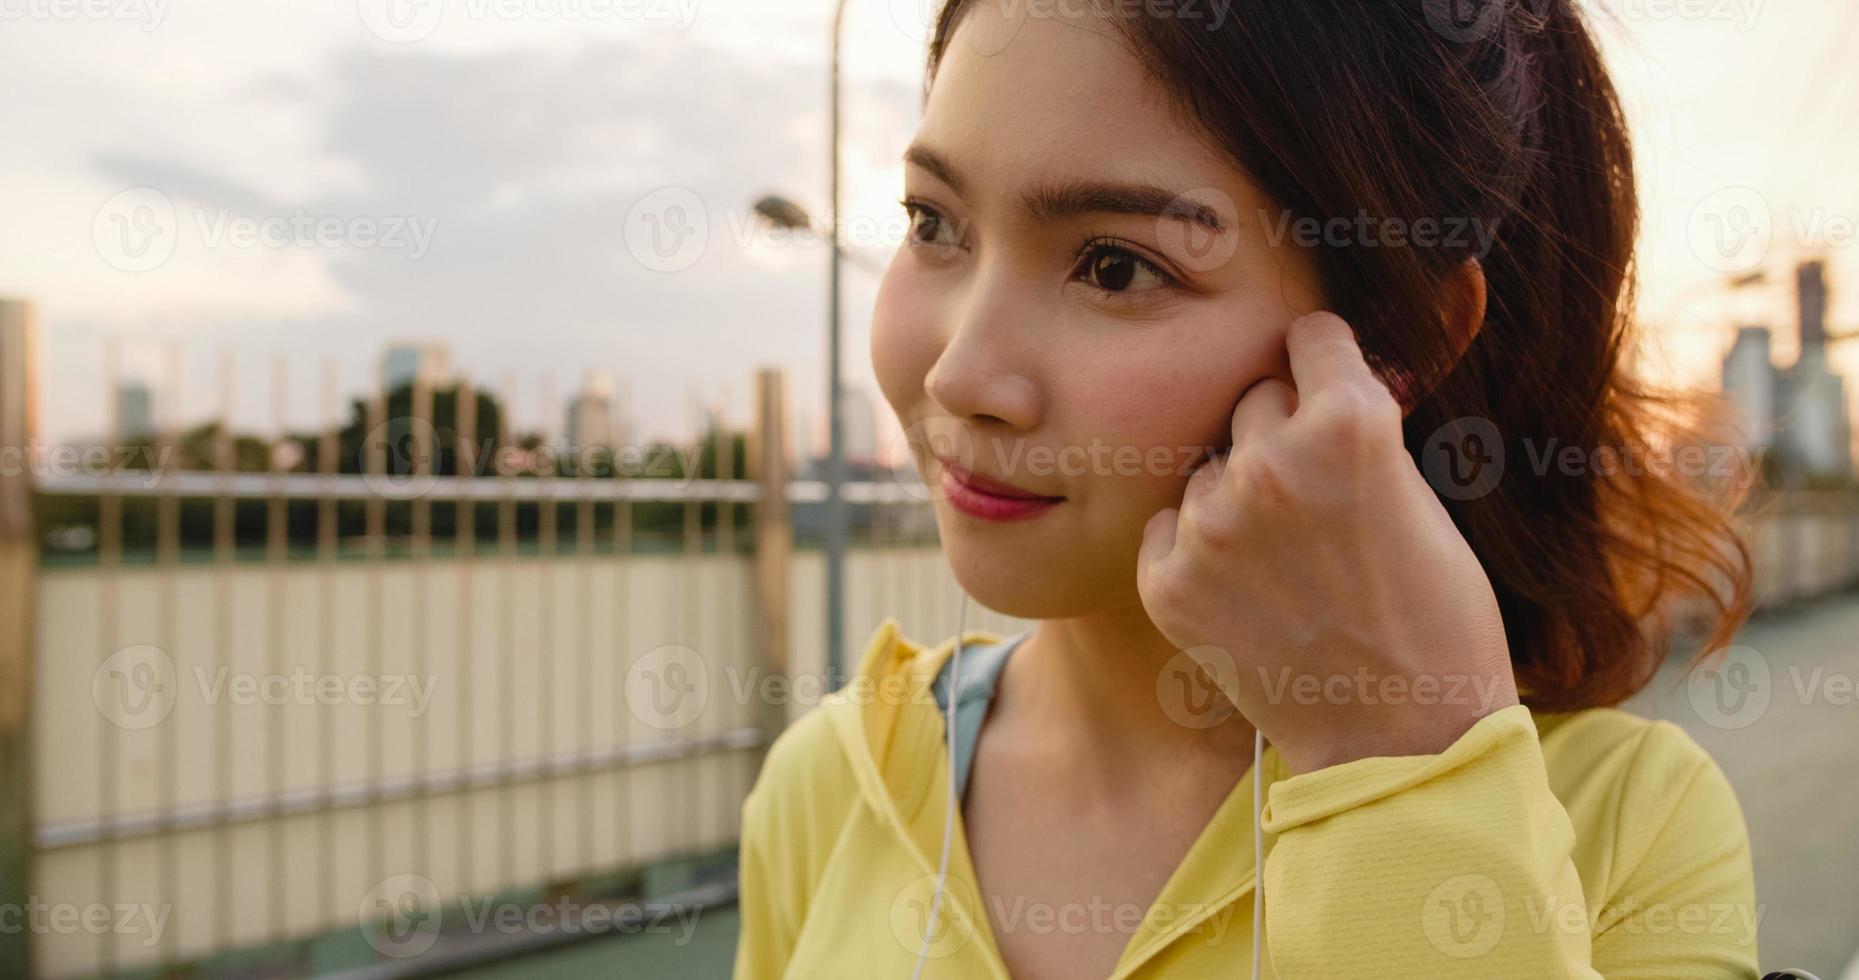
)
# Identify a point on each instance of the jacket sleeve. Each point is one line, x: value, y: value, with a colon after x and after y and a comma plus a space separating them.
x: 769, y: 920
x: 1460, y: 865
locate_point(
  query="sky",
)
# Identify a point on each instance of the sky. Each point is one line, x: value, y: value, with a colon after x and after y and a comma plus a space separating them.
x: 289, y: 188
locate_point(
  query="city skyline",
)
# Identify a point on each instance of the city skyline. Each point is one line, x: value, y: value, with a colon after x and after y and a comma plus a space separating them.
x: 517, y: 258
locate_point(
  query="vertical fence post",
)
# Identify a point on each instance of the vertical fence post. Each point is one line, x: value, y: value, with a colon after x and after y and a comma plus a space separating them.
x: 19, y: 563
x: 774, y: 534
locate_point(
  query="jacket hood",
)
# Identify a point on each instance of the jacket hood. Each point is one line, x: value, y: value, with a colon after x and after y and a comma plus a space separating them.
x: 886, y: 720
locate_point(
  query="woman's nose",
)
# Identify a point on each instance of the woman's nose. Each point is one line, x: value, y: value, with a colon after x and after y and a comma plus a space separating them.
x: 984, y: 373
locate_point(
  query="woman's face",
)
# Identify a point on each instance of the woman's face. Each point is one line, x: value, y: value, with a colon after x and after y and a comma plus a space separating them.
x: 1065, y: 316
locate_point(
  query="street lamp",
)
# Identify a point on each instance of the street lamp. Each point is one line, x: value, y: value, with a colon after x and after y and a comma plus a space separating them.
x: 785, y: 214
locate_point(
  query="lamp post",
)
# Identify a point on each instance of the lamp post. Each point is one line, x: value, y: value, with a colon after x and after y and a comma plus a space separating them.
x: 784, y: 213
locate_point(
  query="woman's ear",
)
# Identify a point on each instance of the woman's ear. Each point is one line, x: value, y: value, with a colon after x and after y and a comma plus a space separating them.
x: 1463, y: 313
x: 1465, y: 305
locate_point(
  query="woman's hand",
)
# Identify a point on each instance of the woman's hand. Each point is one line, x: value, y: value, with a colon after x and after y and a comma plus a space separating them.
x: 1314, y: 574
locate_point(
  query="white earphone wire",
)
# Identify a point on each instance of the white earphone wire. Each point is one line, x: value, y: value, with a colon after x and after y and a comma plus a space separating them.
x: 948, y: 822
x: 948, y: 826
x: 1258, y: 851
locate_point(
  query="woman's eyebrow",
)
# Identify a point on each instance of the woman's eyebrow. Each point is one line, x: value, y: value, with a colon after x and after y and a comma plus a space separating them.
x: 1048, y: 202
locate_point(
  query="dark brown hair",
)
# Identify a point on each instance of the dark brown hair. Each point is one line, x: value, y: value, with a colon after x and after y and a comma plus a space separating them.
x: 1391, y: 108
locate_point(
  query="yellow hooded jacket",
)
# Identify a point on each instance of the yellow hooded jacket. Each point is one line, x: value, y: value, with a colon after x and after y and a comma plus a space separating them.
x: 1591, y: 844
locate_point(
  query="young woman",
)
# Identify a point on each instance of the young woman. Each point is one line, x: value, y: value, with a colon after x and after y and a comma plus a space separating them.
x: 1252, y: 338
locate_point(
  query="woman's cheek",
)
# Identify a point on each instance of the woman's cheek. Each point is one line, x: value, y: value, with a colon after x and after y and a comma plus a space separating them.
x: 904, y: 336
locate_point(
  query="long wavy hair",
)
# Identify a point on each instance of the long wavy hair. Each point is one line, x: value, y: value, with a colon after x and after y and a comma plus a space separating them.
x: 1505, y: 121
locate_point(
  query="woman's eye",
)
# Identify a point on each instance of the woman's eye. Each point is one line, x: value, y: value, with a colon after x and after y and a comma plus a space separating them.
x: 928, y: 228
x: 1115, y: 269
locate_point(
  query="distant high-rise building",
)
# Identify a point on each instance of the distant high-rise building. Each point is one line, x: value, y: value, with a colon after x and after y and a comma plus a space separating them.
x: 1800, y: 409
x: 858, y: 426
x: 590, y: 413
x: 426, y: 361
x: 135, y: 411
x: 1811, y: 295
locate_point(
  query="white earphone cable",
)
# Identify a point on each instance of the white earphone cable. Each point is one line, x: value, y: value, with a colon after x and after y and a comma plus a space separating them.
x: 948, y: 820
x: 1258, y: 850
x: 948, y: 824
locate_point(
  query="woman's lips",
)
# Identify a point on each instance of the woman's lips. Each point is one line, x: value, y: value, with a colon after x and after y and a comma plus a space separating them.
x: 990, y: 499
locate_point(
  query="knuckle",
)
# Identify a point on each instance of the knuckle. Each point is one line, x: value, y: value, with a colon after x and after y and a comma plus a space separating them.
x: 1209, y: 521
x: 1356, y: 413
x: 1267, y: 480
x: 1164, y: 591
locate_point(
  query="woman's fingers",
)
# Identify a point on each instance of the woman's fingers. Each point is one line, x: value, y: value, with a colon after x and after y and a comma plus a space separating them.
x: 1325, y: 356
x: 1264, y: 407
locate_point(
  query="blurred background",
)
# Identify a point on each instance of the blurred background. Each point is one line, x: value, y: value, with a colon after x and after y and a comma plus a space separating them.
x: 420, y: 503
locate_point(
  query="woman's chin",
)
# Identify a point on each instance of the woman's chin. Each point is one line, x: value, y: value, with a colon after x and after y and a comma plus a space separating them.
x: 1023, y: 583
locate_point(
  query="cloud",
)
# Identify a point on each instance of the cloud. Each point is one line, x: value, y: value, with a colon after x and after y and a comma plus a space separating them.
x: 527, y: 161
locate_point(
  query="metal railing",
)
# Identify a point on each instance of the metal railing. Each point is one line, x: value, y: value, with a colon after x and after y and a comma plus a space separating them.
x: 300, y: 752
